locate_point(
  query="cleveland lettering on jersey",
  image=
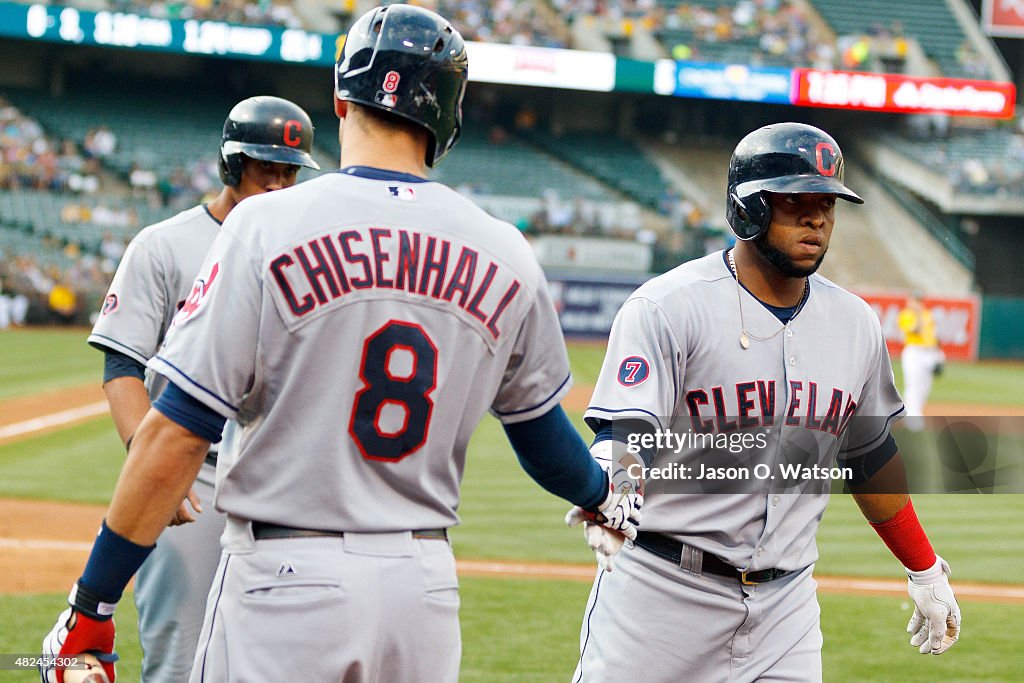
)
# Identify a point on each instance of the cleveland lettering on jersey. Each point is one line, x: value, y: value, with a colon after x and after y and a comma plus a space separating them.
x: 327, y: 268
x: 754, y: 406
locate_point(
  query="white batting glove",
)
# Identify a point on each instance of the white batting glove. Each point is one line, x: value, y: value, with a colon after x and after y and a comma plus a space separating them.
x: 619, y: 513
x: 604, y: 542
x: 616, y: 519
x: 935, y: 625
x: 620, y: 509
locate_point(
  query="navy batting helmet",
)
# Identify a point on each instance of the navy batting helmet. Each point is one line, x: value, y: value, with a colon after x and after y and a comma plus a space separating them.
x: 268, y: 129
x: 788, y: 158
x: 410, y: 62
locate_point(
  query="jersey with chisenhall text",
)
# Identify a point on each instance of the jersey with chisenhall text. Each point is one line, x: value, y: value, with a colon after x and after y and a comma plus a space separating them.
x: 152, y: 281
x: 359, y: 329
x: 820, y: 390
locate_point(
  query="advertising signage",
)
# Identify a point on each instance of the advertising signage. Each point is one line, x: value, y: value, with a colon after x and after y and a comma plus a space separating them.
x: 903, y: 94
x: 957, y: 322
x: 722, y: 81
x: 119, y: 29
x: 1003, y: 17
x: 539, y: 66
x: 510, y: 64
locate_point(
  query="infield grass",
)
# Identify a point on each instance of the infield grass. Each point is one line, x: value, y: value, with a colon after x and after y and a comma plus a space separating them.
x: 506, y: 516
x: 78, y: 464
x: 528, y: 631
x: 523, y: 630
x: 44, y: 359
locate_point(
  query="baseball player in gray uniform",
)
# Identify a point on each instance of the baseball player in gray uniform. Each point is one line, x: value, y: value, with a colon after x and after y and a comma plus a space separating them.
x: 748, y: 347
x: 265, y: 140
x: 357, y: 327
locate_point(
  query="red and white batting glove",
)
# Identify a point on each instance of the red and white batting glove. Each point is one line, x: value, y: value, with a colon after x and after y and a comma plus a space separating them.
x: 76, y: 633
x: 935, y: 625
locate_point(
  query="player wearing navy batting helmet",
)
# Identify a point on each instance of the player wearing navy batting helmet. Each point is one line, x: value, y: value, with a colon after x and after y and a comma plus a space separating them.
x: 357, y: 326
x: 265, y: 140
x: 735, y: 389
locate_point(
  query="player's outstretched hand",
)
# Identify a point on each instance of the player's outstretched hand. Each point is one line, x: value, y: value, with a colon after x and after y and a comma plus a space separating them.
x: 74, y: 634
x: 619, y: 512
x: 935, y: 625
x: 607, y: 529
x: 603, y: 541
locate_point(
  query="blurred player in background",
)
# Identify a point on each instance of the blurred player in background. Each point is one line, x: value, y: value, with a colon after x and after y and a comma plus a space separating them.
x: 265, y: 140
x: 718, y: 586
x: 922, y: 359
x: 13, y: 307
x: 358, y: 326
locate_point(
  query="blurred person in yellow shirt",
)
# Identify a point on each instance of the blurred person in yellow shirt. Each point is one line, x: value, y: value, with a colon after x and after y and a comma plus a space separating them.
x: 922, y: 359
x: 63, y: 302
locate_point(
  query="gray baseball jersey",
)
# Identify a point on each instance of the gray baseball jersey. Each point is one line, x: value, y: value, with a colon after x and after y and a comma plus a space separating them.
x: 150, y: 285
x: 359, y: 328
x: 152, y: 282
x: 674, y: 359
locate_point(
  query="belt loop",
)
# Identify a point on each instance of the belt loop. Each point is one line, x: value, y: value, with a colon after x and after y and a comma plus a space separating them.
x: 691, y: 559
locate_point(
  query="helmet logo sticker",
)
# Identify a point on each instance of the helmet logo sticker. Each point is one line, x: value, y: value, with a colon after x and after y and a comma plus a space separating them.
x: 292, y: 133
x: 391, y: 80
x: 825, y: 158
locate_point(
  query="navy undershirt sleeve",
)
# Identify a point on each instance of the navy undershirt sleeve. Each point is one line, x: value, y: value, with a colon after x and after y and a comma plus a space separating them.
x: 866, y: 466
x: 117, y: 364
x: 627, y: 431
x: 551, y: 451
x: 191, y: 414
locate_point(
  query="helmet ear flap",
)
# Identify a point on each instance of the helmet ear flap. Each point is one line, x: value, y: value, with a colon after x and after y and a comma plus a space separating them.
x: 229, y: 168
x: 748, y: 216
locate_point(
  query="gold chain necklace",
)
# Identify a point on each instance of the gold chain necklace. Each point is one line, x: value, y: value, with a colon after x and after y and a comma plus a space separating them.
x: 746, y: 336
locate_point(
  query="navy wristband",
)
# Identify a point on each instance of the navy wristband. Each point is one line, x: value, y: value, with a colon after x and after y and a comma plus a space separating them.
x: 112, y: 563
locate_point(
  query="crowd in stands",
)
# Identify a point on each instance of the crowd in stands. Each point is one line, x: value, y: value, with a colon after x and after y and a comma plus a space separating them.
x: 576, y: 216
x: 72, y: 280
x: 689, y: 231
x: 987, y: 161
x: 779, y: 27
x: 512, y: 22
x: 32, y: 292
x: 775, y: 32
x: 1001, y: 175
x: 181, y: 188
x: 258, y: 13
x: 32, y: 160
